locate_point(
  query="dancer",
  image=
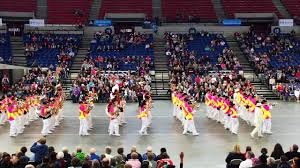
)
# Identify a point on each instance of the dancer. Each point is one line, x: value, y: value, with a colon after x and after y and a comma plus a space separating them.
x: 12, y: 115
x: 122, y: 108
x: 143, y: 115
x: 258, y: 120
x: 45, y: 114
x: 234, y: 122
x: 189, y: 124
x: 83, y: 113
x: 112, y: 112
x: 267, y: 123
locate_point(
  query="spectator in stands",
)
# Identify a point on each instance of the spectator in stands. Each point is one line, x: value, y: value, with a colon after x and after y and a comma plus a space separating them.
x: 162, y: 150
x: 40, y: 150
x: 277, y: 152
x: 133, y: 149
x: 293, y: 153
x: 284, y: 162
x: 149, y: 151
x: 248, y: 163
x: 67, y: 156
x: 134, y: 161
x: 235, y: 154
x: 120, y: 158
x: 262, y: 162
x: 93, y: 155
x: 79, y: 154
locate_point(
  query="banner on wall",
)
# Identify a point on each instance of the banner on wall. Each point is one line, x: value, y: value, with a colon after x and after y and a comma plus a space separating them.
x: 286, y: 22
x: 232, y: 22
x: 36, y: 22
x: 0, y: 21
x: 102, y: 22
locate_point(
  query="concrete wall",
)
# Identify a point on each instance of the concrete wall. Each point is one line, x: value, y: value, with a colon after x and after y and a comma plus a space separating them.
x: 58, y: 29
x: 227, y: 31
x: 285, y: 29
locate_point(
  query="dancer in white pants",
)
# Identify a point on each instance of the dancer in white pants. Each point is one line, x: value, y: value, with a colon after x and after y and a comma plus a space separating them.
x: 267, y: 123
x: 258, y: 120
x: 112, y: 112
x: 143, y: 115
x: 83, y: 114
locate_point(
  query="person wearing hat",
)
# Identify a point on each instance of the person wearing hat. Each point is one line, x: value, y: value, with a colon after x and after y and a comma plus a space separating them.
x: 258, y: 121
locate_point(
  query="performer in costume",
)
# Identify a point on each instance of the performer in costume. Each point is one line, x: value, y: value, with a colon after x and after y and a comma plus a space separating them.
x: 234, y: 122
x: 189, y: 124
x: 258, y: 120
x: 267, y: 123
x: 11, y: 116
x: 45, y: 114
x: 112, y: 112
x: 122, y: 107
x: 143, y: 115
x: 83, y: 113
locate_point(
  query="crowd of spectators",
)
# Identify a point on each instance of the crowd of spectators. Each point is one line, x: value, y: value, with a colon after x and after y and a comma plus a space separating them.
x: 223, y: 84
x: 44, y: 156
x: 92, y: 80
x: 199, y: 53
x: 275, y: 55
x: 276, y: 159
x: 36, y: 82
x: 51, y: 49
x: 122, y: 51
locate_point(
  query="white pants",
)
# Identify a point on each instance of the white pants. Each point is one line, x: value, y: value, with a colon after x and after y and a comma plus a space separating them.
x: 189, y: 125
x: 83, y: 128
x: 267, y: 126
x: 19, y: 124
x: 144, y: 125
x: 234, y: 125
x: 174, y: 110
x: 90, y: 121
x: 226, y: 121
x: 121, y: 118
x: 13, y: 128
x: 209, y: 112
x: 46, y: 126
x: 113, y: 127
x: 257, y: 129
x: 3, y: 118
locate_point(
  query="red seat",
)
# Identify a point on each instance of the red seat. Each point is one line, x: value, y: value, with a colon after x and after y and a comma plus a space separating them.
x: 249, y: 6
x: 202, y: 9
x: 128, y: 6
x: 18, y: 5
x: 62, y: 12
x: 292, y: 6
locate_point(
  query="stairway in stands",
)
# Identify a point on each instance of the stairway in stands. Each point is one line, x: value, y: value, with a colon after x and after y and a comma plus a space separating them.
x: 160, y: 81
x: 219, y: 9
x: 17, y: 46
x: 261, y: 88
x: 76, y: 66
x: 95, y: 8
x: 281, y: 8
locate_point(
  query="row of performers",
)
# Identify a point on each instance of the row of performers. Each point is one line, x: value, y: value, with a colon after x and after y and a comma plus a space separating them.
x: 184, y: 110
x: 20, y: 112
x: 247, y: 107
x: 115, y: 110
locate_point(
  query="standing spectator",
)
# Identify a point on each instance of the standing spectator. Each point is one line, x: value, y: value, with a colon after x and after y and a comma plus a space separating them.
x: 235, y: 154
x: 277, y: 152
x: 40, y: 150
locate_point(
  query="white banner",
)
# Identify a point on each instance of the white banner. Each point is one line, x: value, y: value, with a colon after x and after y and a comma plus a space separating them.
x: 286, y: 22
x: 36, y: 22
x: 0, y: 21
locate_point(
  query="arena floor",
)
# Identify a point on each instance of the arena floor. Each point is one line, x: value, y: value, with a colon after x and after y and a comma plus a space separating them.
x: 208, y: 149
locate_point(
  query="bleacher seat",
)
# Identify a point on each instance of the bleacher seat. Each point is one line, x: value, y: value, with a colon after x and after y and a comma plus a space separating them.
x: 62, y: 12
x: 5, y: 48
x: 18, y: 5
x: 200, y: 9
x: 128, y: 6
x: 249, y: 6
x: 292, y: 6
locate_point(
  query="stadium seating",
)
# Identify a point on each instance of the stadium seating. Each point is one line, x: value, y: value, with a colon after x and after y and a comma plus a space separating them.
x: 45, y: 55
x: 18, y: 5
x: 199, y: 9
x: 249, y: 6
x: 5, y: 48
x: 138, y: 51
x: 292, y: 6
x: 129, y: 6
x: 63, y: 12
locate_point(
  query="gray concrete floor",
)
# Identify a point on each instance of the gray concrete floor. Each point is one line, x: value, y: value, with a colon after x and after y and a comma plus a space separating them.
x: 208, y: 149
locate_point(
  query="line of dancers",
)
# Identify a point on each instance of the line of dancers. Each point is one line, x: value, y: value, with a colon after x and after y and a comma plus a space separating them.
x: 184, y: 110
x: 21, y: 111
x: 250, y: 108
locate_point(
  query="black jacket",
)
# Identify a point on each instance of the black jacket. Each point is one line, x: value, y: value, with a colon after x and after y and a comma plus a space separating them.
x: 232, y: 156
x: 292, y: 155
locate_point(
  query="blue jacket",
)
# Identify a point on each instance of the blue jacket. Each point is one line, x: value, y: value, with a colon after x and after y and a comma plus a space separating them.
x: 94, y: 157
x: 40, y: 151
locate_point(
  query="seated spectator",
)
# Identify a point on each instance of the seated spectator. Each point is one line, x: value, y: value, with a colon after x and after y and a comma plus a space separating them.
x: 150, y: 159
x: 67, y: 156
x: 79, y: 154
x: 120, y: 158
x: 271, y: 162
x: 235, y: 154
x: 76, y: 163
x: 60, y: 162
x: 248, y: 163
x: 93, y: 155
x: 162, y: 150
x: 293, y: 153
x: 149, y: 151
x: 277, y: 152
x: 133, y: 149
x: 283, y: 162
x: 108, y: 152
x: 262, y: 162
x: 134, y: 161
